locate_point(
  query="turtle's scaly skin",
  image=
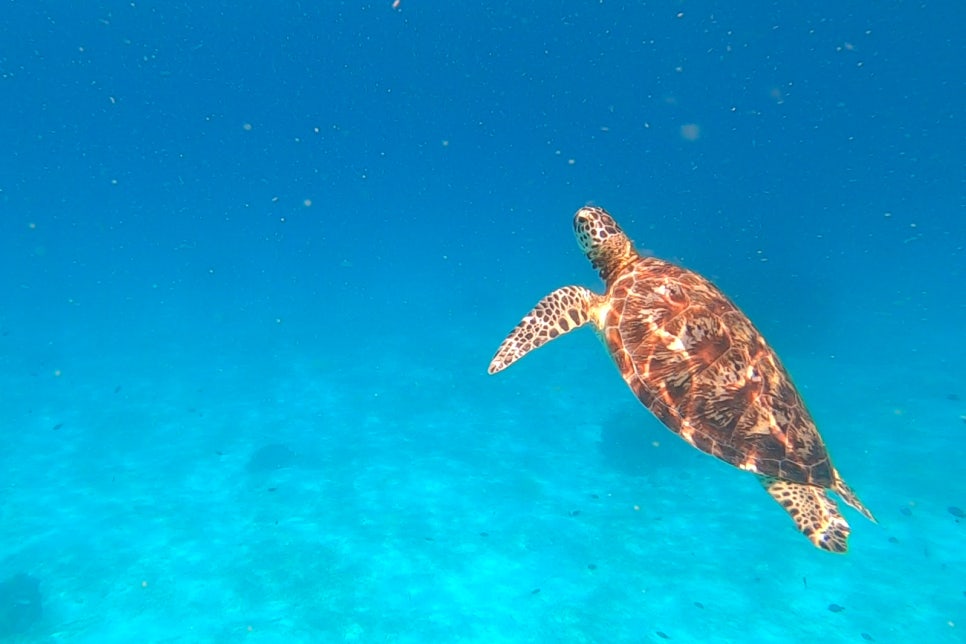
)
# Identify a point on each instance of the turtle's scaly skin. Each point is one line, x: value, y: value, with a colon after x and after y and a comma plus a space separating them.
x: 699, y: 364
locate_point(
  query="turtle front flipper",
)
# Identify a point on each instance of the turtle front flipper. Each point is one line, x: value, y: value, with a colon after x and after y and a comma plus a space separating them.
x: 816, y: 515
x: 560, y: 312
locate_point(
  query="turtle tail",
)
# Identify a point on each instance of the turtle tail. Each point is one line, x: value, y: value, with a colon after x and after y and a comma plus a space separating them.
x: 845, y: 492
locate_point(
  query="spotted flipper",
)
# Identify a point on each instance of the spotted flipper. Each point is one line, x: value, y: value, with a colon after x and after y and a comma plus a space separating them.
x: 816, y: 515
x: 560, y: 312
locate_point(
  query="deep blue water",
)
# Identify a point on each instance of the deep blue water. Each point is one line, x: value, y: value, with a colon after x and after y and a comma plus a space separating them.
x: 255, y: 259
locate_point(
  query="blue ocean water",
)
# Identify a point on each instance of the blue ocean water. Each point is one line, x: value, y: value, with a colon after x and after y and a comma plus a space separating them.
x: 256, y: 257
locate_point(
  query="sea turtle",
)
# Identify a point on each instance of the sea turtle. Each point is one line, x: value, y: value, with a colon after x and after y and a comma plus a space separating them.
x: 699, y: 364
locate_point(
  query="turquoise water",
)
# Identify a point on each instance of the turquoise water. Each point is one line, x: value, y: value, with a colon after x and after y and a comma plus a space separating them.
x: 256, y: 258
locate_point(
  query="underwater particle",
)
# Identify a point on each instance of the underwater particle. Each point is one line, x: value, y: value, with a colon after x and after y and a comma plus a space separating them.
x: 690, y: 131
x: 956, y: 512
x: 835, y: 608
x: 867, y: 637
x: 663, y: 635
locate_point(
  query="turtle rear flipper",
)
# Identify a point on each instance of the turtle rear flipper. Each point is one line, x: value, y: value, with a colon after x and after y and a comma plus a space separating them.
x: 562, y: 311
x: 816, y: 515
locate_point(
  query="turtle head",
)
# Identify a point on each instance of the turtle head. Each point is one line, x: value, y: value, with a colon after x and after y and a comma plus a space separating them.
x: 602, y: 240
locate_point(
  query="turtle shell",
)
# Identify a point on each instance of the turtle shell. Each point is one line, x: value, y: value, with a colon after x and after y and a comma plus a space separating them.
x: 700, y: 365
